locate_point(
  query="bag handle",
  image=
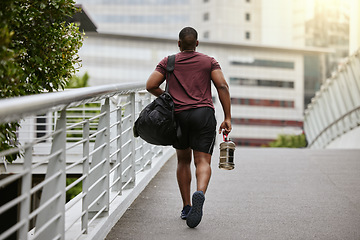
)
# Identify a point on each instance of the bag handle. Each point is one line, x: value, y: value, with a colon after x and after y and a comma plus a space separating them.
x: 225, y: 137
x: 170, y: 66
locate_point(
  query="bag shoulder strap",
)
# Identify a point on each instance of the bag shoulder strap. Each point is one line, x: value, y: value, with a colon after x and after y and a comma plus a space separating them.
x: 170, y: 66
x: 170, y: 63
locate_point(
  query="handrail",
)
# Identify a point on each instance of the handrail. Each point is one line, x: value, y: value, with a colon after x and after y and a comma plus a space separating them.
x: 85, y: 133
x: 332, y: 124
x: 13, y: 109
x: 335, y: 109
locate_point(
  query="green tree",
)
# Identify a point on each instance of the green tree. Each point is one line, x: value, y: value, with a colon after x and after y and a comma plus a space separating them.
x: 78, y: 82
x: 289, y: 141
x: 75, y: 190
x: 38, y: 52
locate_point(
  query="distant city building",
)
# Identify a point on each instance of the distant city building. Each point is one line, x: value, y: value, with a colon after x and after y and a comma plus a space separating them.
x: 161, y: 18
x: 252, y: 39
x: 266, y: 83
x: 354, y: 26
x: 330, y: 28
x: 276, y: 22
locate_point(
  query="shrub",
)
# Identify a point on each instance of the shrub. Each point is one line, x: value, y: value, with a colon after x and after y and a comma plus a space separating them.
x: 38, y: 52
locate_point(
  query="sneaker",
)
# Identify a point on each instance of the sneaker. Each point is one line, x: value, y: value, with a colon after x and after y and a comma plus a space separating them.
x: 185, y: 212
x: 194, y: 217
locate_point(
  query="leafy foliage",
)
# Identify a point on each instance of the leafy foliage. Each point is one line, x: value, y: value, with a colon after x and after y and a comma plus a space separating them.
x: 289, y: 141
x: 78, y: 82
x: 38, y: 51
x: 75, y: 190
x: 91, y: 109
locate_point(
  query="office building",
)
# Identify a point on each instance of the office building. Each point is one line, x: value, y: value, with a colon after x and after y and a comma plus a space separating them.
x: 266, y: 74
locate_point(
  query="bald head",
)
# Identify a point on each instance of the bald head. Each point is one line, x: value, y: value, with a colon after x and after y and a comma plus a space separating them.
x: 188, y: 39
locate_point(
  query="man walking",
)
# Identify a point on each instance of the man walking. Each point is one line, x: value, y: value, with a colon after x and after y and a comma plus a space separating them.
x: 190, y: 87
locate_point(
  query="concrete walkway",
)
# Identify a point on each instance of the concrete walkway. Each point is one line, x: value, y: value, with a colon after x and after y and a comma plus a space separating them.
x: 271, y: 194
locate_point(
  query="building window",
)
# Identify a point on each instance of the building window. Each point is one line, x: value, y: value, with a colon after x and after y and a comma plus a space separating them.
x: 206, y: 16
x: 261, y: 82
x: 262, y: 102
x: 247, y: 35
x: 41, y: 123
x: 265, y: 63
x: 247, y: 17
x: 207, y: 35
x: 133, y: 19
x: 267, y: 122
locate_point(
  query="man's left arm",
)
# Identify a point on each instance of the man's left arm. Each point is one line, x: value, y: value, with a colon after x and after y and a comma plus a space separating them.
x: 154, y: 82
x: 223, y: 91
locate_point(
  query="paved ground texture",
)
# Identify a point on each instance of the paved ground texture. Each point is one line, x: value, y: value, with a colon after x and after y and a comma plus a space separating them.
x: 271, y: 194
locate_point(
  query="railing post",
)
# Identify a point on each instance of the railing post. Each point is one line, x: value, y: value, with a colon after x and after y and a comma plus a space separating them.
x: 139, y: 143
x: 117, y: 173
x: 339, y: 96
x: 100, y: 164
x: 320, y: 117
x: 53, y: 193
x: 336, y: 107
x: 25, y: 190
x: 127, y: 147
x: 330, y: 112
x: 85, y: 186
x: 148, y: 152
x: 133, y: 144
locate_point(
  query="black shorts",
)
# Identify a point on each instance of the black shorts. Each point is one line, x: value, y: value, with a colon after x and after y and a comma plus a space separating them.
x: 198, y: 127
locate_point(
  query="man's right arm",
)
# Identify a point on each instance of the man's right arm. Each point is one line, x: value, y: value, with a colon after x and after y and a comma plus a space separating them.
x: 222, y: 88
x: 154, y: 82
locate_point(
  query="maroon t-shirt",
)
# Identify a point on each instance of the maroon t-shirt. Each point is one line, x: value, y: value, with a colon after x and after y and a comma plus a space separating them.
x: 190, y: 83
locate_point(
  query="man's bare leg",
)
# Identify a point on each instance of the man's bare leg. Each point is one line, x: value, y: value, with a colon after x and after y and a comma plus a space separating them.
x: 203, y: 170
x: 203, y: 173
x: 183, y: 174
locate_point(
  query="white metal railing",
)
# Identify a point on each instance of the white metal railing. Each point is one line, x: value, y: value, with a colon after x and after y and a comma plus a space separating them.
x: 335, y: 109
x: 85, y: 133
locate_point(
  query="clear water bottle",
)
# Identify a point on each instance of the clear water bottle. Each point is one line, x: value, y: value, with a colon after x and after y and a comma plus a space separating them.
x: 227, y: 149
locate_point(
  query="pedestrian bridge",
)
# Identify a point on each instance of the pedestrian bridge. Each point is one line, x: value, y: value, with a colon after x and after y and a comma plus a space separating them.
x: 86, y: 134
x: 272, y: 194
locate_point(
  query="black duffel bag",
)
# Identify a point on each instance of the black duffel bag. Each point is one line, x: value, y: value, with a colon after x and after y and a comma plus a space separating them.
x: 156, y: 123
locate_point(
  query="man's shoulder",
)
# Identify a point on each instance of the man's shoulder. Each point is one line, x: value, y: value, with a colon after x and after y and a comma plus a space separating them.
x: 202, y: 54
x: 205, y: 56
